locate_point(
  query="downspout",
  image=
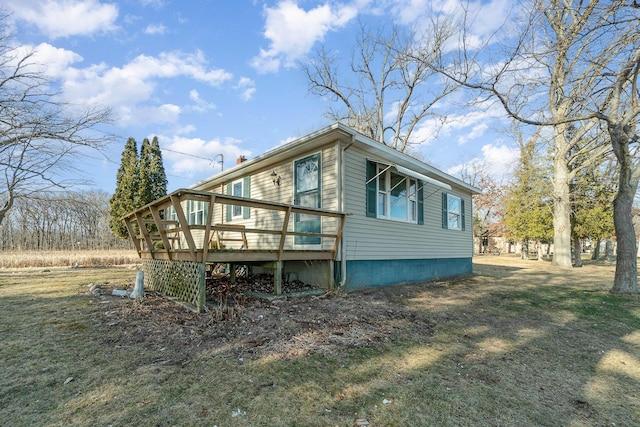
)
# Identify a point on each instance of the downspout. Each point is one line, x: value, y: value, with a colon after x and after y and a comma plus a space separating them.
x: 341, y: 170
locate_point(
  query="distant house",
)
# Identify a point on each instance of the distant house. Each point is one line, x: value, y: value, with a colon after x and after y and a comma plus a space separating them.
x: 381, y: 216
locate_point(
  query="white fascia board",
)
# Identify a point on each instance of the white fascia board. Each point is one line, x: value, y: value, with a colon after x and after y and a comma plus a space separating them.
x: 394, y: 157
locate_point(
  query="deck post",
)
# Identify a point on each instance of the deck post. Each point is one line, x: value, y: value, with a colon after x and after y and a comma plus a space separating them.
x: 277, y: 278
x: 202, y: 288
x: 232, y: 273
x: 331, y: 283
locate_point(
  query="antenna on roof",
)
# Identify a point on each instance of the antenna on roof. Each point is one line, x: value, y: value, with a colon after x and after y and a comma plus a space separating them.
x: 215, y: 160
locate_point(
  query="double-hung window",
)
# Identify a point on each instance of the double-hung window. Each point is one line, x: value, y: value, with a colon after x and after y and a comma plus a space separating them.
x: 236, y: 190
x: 452, y: 212
x: 196, y: 212
x: 170, y: 214
x: 397, y: 195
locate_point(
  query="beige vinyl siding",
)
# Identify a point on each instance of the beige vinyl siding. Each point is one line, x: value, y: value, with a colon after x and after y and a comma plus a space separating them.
x: 218, y: 214
x: 379, y: 239
x: 263, y: 188
x: 198, y: 235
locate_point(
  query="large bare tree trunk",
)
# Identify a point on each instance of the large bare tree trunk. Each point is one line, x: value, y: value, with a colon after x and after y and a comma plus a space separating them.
x: 539, y: 249
x: 561, y: 211
x: 626, y: 277
x: 596, y: 251
x: 577, y: 252
x: 525, y: 250
x: 608, y: 250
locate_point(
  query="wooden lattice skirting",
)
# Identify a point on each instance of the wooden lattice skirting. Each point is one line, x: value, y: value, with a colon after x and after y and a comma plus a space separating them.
x: 184, y: 280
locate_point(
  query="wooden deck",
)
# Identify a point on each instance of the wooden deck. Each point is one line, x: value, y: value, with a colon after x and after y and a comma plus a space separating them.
x: 157, y: 237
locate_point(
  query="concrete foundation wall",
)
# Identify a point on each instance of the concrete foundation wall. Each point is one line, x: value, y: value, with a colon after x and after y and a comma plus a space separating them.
x: 371, y: 273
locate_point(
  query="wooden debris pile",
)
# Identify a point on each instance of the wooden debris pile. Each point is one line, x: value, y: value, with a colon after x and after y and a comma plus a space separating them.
x: 219, y: 287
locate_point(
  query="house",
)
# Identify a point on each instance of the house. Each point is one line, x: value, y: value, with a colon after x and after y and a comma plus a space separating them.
x: 332, y: 207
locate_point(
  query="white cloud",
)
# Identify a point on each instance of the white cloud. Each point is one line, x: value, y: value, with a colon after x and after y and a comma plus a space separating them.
x: 483, y: 18
x: 153, y: 29
x: 500, y: 158
x: 185, y: 130
x: 199, y: 158
x: 463, y: 128
x: 200, y: 105
x: 52, y: 60
x: 131, y: 90
x: 181, y: 19
x: 130, y: 19
x: 287, y: 140
x: 476, y: 132
x: 408, y: 12
x: 247, y: 88
x: 194, y: 96
x: 292, y: 31
x: 170, y: 111
x: 488, y: 17
x: 496, y: 160
x: 155, y: 3
x: 65, y: 18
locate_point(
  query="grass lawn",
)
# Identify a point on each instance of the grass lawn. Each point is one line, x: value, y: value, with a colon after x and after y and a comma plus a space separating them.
x: 519, y: 343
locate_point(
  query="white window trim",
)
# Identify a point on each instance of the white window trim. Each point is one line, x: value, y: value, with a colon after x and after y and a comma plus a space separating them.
x: 458, y: 213
x: 317, y: 154
x: 234, y: 207
x: 171, y: 214
x: 384, y: 172
x: 194, y: 208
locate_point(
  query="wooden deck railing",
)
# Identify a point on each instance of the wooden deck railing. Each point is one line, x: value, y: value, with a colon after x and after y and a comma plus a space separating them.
x: 156, y: 236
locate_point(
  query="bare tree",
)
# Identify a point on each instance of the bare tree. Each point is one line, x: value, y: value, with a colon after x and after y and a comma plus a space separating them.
x: 488, y: 210
x: 60, y: 221
x: 40, y: 134
x: 389, y: 89
x: 621, y: 114
x: 553, y: 76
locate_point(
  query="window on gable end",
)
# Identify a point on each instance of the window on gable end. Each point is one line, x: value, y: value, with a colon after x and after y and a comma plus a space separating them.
x: 236, y: 190
x: 452, y: 212
x: 239, y: 188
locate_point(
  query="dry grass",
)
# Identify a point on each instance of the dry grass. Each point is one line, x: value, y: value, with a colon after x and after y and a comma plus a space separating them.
x: 517, y: 344
x: 81, y: 258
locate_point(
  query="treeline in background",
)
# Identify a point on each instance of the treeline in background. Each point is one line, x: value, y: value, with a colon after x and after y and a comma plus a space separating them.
x: 70, y: 228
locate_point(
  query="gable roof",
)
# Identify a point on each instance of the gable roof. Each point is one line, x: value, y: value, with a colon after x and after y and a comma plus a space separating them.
x: 337, y: 131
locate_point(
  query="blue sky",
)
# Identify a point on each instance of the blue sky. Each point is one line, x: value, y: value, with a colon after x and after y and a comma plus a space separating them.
x: 219, y: 78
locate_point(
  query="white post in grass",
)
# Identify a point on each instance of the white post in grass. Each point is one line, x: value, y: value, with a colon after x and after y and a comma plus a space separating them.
x: 138, y: 290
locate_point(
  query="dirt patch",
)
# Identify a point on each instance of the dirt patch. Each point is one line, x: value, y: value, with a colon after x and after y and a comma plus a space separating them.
x: 245, y: 326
